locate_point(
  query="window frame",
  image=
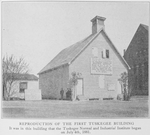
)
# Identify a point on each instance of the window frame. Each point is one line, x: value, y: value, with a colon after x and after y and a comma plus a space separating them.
x: 22, y: 90
x: 105, y: 54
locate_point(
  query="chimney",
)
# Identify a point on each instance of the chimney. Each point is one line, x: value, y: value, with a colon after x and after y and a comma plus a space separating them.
x: 97, y: 24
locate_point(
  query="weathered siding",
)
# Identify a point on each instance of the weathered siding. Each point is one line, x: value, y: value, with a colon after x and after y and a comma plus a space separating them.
x: 51, y: 82
x: 82, y: 64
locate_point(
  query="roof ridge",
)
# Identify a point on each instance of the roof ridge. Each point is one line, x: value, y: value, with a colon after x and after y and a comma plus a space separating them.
x: 117, y: 51
x: 145, y: 26
x: 67, y: 48
x: 77, y: 42
x: 94, y: 35
x: 130, y: 45
x: 69, y: 54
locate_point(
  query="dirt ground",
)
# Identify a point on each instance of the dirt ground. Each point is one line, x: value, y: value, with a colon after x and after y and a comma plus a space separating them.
x: 53, y: 109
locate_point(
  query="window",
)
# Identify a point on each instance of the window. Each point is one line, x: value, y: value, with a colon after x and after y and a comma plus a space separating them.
x: 105, y: 53
x: 23, y: 86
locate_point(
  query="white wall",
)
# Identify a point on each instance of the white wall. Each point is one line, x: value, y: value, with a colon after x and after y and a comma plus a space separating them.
x: 32, y: 91
x: 33, y: 84
x: 82, y: 64
x: 33, y: 94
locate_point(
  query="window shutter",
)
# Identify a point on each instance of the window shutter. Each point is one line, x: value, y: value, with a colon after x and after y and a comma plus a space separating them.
x: 104, y: 53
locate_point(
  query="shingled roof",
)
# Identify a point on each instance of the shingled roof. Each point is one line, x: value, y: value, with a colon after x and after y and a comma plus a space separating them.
x: 67, y: 55
x: 17, y: 76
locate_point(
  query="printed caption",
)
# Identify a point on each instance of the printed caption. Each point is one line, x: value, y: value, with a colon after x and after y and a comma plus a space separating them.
x: 75, y: 127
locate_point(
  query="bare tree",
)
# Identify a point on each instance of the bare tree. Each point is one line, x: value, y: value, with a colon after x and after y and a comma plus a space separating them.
x: 124, y: 86
x: 73, y: 82
x: 11, y: 67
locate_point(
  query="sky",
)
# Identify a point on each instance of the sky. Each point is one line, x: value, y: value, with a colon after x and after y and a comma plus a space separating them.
x: 38, y: 31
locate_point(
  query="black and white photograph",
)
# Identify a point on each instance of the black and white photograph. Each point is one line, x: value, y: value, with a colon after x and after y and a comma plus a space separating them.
x: 76, y: 60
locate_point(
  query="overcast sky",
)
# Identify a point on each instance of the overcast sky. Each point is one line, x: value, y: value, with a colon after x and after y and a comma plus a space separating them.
x: 38, y: 31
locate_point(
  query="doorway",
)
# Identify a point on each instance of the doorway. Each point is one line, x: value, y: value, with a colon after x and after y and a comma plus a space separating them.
x: 79, y: 87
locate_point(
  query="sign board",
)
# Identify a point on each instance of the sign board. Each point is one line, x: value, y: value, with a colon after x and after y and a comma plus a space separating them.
x: 101, y: 66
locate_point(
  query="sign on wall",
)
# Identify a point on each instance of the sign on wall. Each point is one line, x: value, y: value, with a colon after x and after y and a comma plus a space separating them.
x: 101, y: 66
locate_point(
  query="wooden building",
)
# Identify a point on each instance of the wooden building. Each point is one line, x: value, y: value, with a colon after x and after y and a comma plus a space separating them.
x: 25, y: 87
x: 136, y: 56
x: 97, y: 61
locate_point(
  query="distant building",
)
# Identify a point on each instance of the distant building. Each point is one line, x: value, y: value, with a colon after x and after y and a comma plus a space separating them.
x: 97, y: 61
x: 136, y: 56
x: 24, y: 86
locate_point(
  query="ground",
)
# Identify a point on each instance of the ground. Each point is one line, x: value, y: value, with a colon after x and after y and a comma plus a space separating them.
x: 136, y: 107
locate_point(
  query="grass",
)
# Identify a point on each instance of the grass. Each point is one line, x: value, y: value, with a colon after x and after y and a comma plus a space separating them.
x: 53, y: 109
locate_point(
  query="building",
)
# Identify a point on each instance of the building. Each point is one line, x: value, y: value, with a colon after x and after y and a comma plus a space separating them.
x: 136, y: 56
x: 97, y: 61
x: 26, y: 87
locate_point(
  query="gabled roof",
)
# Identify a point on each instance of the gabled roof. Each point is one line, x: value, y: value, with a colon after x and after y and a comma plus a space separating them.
x: 141, y: 26
x: 68, y: 55
x: 17, y: 76
x: 145, y: 26
x: 117, y: 53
